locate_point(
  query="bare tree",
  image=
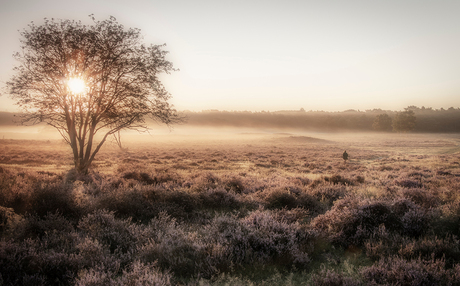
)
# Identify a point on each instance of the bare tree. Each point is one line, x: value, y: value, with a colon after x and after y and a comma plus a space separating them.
x: 89, y: 82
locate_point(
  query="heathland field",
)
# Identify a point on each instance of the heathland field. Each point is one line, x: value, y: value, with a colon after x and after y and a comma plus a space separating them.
x: 234, y: 209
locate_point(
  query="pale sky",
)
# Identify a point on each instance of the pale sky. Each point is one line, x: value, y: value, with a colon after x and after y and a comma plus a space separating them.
x: 280, y: 55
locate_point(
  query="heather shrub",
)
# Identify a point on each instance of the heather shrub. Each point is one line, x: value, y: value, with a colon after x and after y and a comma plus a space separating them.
x: 280, y: 198
x: 310, y: 203
x: 351, y: 223
x: 53, y: 197
x: 360, y: 179
x: 94, y: 254
x: 219, y: 198
x: 290, y: 199
x: 177, y: 202
x: 400, y: 206
x: 421, y: 197
x: 415, y: 222
x: 181, y: 199
x: 398, y: 271
x: 338, y: 180
x: 96, y: 277
x: 262, y: 277
x: 204, y: 181
x: 447, y: 220
x: 408, y: 183
x: 301, y: 181
x: 455, y: 274
x: 414, y: 219
x: 334, y: 223
x: 84, y: 195
x: 119, y: 235
x: 385, y: 168
x: 443, y: 173
x: 92, y: 177
x: 328, y: 194
x: 182, y: 254
x: 33, y: 226
x: 383, y: 244
x: 234, y: 184
x: 328, y: 277
x: 261, y: 237
x: 16, y: 189
x: 16, y: 262
x: 141, y: 177
x: 273, y: 239
x: 229, y: 234
x: 226, y: 280
x: 145, y: 274
x: 36, y: 262
x: 368, y: 218
x: 59, y: 268
x: 160, y: 176
x: 290, y: 216
x: 7, y: 183
x: 430, y: 247
x: 174, y: 249
x: 372, y: 214
x: 8, y: 218
x: 126, y: 202
x: 138, y: 274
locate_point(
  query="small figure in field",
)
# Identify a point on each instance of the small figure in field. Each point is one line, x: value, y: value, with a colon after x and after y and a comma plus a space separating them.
x: 345, y: 156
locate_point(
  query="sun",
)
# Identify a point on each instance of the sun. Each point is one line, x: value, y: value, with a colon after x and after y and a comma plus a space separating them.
x: 76, y: 85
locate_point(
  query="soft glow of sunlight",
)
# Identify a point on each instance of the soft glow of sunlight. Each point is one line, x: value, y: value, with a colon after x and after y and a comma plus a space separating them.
x: 76, y: 85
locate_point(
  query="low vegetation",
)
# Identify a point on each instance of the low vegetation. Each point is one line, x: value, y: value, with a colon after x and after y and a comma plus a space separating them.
x: 252, y: 210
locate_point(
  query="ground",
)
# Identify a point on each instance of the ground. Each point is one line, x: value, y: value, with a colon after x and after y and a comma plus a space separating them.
x: 231, y: 208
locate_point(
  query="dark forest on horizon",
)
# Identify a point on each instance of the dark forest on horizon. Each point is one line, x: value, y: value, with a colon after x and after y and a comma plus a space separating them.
x: 424, y: 120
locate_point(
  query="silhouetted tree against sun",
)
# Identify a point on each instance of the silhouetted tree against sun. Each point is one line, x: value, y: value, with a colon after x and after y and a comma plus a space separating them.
x: 89, y: 82
x: 404, y: 121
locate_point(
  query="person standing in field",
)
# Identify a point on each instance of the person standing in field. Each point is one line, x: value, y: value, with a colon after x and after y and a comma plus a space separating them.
x: 345, y: 156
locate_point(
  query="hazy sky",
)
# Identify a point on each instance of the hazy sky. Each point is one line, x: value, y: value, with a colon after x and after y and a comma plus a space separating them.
x: 277, y: 55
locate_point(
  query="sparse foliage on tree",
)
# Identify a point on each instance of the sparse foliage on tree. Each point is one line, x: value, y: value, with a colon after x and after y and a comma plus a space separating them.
x: 382, y: 122
x: 90, y: 82
x: 404, y: 121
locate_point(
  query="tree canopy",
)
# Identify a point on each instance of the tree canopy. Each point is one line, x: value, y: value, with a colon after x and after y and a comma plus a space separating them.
x: 404, y: 121
x: 89, y: 82
x: 382, y: 122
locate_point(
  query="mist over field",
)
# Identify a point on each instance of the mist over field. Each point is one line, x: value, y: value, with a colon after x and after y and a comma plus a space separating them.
x: 427, y: 120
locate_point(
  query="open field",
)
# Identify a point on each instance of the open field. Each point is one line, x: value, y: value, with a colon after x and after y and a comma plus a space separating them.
x: 233, y: 208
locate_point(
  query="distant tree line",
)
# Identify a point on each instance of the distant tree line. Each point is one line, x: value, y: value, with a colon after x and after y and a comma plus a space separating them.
x: 412, y: 119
